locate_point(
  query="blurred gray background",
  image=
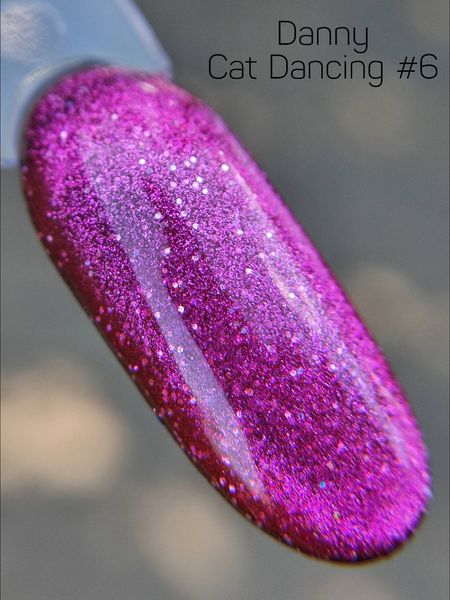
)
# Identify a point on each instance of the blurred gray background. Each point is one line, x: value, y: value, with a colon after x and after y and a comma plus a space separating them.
x: 98, y: 501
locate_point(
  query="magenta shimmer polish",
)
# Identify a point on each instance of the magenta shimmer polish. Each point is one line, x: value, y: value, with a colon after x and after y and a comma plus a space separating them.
x: 223, y: 313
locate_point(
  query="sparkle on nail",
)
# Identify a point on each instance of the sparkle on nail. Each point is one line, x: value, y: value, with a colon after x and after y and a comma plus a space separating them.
x: 244, y: 342
x: 173, y: 167
x: 295, y: 372
x: 63, y: 135
x: 195, y: 225
x: 115, y: 116
x: 142, y: 161
x: 204, y: 190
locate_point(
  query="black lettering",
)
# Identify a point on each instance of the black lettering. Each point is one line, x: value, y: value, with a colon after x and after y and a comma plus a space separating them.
x: 364, y: 42
x: 238, y: 68
x: 378, y: 76
x: 333, y: 62
x: 306, y: 38
x: 272, y: 66
x: 210, y: 66
x: 326, y: 30
x: 300, y: 69
x: 250, y: 62
x: 346, y: 35
x: 293, y: 32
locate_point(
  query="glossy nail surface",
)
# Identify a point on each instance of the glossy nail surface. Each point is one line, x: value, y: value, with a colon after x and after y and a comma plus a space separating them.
x: 223, y: 313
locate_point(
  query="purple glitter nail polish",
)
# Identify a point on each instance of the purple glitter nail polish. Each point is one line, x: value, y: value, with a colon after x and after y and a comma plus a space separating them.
x: 223, y: 313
